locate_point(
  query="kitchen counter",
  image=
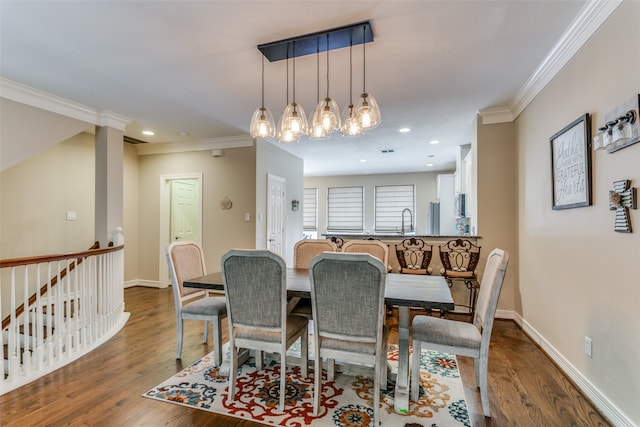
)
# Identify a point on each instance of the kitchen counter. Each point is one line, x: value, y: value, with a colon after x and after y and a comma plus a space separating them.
x: 399, y: 236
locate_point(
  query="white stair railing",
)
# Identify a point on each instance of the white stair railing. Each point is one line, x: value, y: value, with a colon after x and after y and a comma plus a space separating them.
x: 57, y: 308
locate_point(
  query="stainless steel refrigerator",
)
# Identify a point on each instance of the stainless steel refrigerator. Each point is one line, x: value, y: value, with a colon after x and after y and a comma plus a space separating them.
x: 434, y: 219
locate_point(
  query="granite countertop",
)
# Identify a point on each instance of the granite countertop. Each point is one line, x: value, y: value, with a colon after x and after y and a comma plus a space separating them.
x: 400, y: 236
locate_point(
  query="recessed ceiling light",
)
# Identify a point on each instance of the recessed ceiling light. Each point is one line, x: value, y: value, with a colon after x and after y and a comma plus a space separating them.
x: 429, y: 164
x: 148, y: 132
x: 434, y: 141
x: 404, y: 130
x: 363, y: 160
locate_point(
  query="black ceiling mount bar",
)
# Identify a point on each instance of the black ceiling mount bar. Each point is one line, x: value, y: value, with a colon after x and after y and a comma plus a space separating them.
x: 308, y: 44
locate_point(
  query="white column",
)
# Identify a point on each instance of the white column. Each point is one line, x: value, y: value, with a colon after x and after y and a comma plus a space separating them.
x: 109, y: 183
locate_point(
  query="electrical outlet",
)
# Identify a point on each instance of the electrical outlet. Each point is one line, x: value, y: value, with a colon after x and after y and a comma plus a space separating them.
x: 587, y: 346
x: 71, y: 215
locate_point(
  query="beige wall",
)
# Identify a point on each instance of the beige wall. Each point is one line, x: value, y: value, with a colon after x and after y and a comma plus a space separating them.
x: 20, y: 139
x: 232, y: 176
x: 577, y: 276
x: 36, y: 194
x: 425, y: 192
x: 496, y: 200
x: 273, y: 160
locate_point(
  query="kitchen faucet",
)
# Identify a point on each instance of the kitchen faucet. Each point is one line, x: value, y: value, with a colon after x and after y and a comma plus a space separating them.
x: 410, y: 218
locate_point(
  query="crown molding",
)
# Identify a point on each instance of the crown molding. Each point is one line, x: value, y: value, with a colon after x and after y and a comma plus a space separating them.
x: 27, y: 95
x: 592, y: 16
x: 200, y: 145
x: 113, y: 120
x: 494, y: 115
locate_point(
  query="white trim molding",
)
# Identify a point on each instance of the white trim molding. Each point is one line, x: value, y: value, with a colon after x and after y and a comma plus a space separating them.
x: 24, y: 94
x: 200, y: 145
x: 592, y: 16
x: 608, y: 409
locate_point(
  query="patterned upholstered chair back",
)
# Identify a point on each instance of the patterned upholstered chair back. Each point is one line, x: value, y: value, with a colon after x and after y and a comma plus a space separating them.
x: 305, y: 250
x: 414, y: 256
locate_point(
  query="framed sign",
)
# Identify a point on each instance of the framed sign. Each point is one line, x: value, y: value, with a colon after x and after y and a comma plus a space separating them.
x: 571, y: 165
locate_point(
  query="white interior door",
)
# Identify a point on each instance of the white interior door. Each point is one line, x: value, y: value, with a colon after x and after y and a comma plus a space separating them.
x: 184, y: 209
x: 180, y: 215
x: 275, y: 213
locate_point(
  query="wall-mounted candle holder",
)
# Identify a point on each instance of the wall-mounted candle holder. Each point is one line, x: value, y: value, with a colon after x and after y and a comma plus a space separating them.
x: 621, y: 128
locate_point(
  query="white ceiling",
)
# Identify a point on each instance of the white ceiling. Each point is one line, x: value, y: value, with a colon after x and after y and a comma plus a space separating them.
x: 190, y: 70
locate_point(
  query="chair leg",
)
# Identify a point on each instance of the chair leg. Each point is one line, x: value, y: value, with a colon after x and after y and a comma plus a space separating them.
x: 317, y: 387
x: 217, y: 340
x: 376, y: 390
x: 484, y: 392
x: 304, y: 353
x: 179, y: 339
x: 233, y: 367
x: 331, y: 369
x: 205, y: 337
x: 415, y: 370
x: 283, y: 376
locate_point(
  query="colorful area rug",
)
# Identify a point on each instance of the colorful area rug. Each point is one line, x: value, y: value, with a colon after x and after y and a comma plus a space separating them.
x: 347, y: 401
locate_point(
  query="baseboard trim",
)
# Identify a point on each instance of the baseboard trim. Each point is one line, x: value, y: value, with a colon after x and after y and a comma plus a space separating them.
x: 604, y: 405
x: 144, y: 283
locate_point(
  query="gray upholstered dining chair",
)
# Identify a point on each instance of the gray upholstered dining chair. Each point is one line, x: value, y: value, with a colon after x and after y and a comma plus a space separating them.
x: 303, y: 252
x: 463, y: 338
x: 348, y: 320
x: 256, y: 288
x: 185, y: 260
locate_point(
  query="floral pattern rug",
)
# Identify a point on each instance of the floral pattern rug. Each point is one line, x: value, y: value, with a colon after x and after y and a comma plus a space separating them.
x: 345, y: 402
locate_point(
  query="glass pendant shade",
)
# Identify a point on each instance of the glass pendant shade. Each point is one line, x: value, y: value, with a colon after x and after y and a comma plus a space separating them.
x: 262, y: 124
x: 367, y: 112
x: 327, y: 115
x: 350, y: 125
x: 316, y: 130
x: 293, y: 123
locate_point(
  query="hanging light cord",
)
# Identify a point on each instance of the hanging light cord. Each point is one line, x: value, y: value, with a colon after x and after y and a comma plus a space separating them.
x: 294, y: 72
x: 364, y: 58
x: 263, y: 81
x: 317, y: 70
x: 327, y: 65
x: 350, y: 69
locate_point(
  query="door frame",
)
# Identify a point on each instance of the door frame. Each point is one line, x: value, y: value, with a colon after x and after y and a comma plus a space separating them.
x: 165, y: 209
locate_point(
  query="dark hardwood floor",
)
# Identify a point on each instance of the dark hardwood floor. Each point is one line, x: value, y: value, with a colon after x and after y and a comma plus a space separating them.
x: 105, y: 387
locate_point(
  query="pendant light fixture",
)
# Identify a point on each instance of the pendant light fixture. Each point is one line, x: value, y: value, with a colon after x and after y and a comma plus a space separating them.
x: 325, y: 118
x: 294, y: 121
x: 316, y: 130
x: 327, y: 113
x: 350, y: 125
x: 262, y: 123
x: 367, y: 110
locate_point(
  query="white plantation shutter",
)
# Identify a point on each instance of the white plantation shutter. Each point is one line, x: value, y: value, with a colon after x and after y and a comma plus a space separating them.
x: 345, y: 206
x: 310, y: 209
x: 389, y: 203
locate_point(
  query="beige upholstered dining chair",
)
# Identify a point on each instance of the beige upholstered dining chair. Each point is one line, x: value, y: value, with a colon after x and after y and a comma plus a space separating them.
x: 373, y: 247
x: 305, y: 249
x: 348, y: 320
x: 303, y: 252
x: 186, y: 261
x: 463, y: 338
x: 256, y: 288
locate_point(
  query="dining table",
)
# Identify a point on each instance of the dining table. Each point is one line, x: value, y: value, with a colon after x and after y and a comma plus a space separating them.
x: 402, y: 290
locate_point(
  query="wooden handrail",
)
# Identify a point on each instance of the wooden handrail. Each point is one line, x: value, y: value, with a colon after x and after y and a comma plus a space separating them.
x: 79, y: 256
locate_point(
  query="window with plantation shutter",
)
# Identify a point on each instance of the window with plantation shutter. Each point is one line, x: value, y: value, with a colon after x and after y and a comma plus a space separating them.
x: 390, y: 201
x: 345, y: 209
x: 310, y: 209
